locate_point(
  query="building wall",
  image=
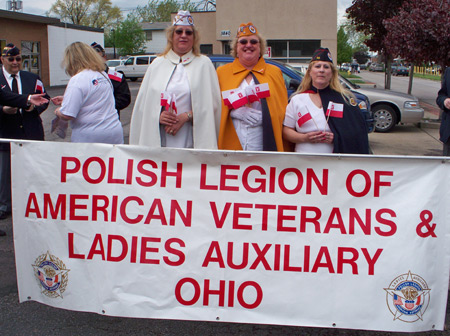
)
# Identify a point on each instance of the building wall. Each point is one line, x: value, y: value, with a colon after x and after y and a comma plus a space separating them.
x: 158, y: 42
x: 16, y: 31
x: 281, y: 19
x: 58, y: 39
x: 205, y: 22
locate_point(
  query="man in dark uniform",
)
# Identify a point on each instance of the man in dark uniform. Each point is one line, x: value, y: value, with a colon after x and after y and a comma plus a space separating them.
x: 16, y: 123
x: 121, y: 90
x: 443, y: 101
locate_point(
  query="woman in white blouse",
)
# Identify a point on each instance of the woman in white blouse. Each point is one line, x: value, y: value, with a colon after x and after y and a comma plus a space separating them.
x: 192, y: 118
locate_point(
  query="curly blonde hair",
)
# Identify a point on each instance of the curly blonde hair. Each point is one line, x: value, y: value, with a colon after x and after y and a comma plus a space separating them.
x: 169, y: 35
x: 79, y: 56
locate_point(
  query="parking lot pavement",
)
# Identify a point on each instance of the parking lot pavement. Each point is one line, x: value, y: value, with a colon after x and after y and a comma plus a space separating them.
x: 409, y: 139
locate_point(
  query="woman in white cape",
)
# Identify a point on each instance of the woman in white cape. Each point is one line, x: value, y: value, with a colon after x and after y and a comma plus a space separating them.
x: 190, y: 114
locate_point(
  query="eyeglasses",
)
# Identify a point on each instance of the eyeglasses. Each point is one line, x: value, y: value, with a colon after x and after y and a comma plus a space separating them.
x: 181, y: 31
x: 245, y: 41
x: 18, y: 59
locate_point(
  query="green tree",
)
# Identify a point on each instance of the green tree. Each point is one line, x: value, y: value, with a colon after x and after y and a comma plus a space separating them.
x: 159, y: 11
x: 361, y: 56
x: 344, y: 49
x: 129, y: 37
x: 92, y: 13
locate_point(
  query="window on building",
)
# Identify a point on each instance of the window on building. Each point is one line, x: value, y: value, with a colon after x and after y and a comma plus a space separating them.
x: 293, y: 50
x: 226, y: 48
x: 31, y: 57
x: 148, y: 35
x: 206, y: 49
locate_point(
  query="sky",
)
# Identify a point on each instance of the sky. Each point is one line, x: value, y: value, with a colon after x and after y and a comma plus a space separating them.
x: 39, y: 7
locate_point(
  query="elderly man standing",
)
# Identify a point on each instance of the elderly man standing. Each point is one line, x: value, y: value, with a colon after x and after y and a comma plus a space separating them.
x: 16, y: 123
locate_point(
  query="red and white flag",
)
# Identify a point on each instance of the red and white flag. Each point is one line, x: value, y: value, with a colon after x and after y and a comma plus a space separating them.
x: 262, y: 90
x: 166, y: 99
x: 226, y: 95
x: 39, y: 87
x: 302, y: 118
x: 251, y: 94
x: 114, y: 75
x: 174, y: 104
x: 238, y: 99
x: 335, y: 110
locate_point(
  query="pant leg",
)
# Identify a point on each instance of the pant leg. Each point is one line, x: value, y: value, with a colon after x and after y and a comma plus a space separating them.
x: 446, y: 151
x: 5, y: 181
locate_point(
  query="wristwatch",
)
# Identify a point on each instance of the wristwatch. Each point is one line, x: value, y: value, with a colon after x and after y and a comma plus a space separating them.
x: 29, y: 101
x: 189, y: 115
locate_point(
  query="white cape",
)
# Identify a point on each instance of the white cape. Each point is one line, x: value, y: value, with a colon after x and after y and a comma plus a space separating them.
x: 205, y: 97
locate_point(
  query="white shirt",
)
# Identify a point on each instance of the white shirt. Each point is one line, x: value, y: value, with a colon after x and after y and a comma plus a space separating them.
x: 9, y: 79
x: 89, y: 99
x: 249, y: 136
x: 179, y: 85
x: 301, y: 104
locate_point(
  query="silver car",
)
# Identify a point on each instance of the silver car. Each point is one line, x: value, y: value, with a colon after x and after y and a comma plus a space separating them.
x: 389, y: 107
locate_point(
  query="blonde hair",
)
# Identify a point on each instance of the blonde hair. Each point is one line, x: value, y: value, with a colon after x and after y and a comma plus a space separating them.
x: 262, y: 45
x: 79, y: 56
x: 169, y: 35
x: 335, y: 84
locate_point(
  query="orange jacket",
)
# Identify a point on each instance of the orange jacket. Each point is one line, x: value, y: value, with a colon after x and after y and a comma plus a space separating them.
x: 230, y: 77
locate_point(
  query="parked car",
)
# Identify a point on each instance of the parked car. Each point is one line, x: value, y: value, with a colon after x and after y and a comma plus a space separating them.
x: 345, y: 67
x: 399, y: 70
x: 389, y: 107
x: 113, y: 63
x: 135, y: 66
x: 292, y: 79
x: 376, y: 67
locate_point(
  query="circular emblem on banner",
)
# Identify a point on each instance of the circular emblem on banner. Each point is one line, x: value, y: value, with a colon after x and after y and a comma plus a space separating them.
x: 408, y: 297
x: 51, y: 274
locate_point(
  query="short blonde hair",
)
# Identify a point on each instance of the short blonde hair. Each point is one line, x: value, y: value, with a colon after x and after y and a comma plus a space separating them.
x: 262, y: 45
x: 335, y: 84
x: 169, y: 35
x: 79, y: 56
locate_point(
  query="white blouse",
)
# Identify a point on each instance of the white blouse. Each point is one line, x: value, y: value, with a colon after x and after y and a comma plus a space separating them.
x: 298, y: 106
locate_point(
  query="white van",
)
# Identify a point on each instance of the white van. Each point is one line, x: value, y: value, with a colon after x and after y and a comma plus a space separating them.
x: 135, y: 66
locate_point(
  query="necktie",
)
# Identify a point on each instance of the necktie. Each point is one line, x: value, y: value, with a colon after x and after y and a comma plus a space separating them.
x: 15, y: 87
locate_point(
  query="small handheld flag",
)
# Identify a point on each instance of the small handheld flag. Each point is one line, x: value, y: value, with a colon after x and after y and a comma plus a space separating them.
x: 335, y: 110
x: 39, y: 87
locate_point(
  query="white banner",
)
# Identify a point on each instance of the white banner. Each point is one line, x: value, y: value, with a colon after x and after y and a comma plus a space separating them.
x: 338, y: 241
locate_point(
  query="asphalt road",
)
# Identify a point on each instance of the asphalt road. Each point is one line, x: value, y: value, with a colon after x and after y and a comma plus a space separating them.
x: 32, y: 318
x: 424, y: 89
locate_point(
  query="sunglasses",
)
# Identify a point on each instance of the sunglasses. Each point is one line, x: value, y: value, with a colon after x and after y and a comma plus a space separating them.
x: 245, y: 41
x: 181, y: 31
x: 18, y: 59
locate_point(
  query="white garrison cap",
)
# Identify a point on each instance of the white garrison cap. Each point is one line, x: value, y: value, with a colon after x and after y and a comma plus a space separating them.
x: 183, y: 18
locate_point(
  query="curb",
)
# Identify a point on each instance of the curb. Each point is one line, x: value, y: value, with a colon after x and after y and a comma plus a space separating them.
x: 431, y: 124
